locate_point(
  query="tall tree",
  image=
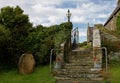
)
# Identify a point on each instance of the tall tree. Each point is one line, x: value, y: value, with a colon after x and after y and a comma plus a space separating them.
x: 14, y: 19
x: 5, y: 36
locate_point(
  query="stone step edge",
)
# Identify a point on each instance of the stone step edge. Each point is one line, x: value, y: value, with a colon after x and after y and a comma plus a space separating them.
x: 80, y: 81
x: 79, y: 72
x: 67, y: 78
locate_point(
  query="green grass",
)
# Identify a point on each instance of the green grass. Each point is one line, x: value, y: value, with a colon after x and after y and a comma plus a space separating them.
x: 40, y: 75
x: 114, y: 74
x: 43, y: 75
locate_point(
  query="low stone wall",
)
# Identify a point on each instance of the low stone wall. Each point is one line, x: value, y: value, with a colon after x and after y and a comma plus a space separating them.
x: 66, y: 47
x: 111, y: 42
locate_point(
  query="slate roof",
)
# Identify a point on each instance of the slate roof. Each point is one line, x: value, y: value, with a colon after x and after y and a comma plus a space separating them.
x: 113, y: 13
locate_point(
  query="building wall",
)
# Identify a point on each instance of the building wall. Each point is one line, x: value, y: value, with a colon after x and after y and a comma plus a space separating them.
x: 111, y: 25
x: 89, y: 34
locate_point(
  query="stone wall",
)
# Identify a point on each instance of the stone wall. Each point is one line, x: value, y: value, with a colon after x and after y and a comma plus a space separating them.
x: 114, y: 56
x: 118, y: 2
x: 113, y: 46
x: 66, y: 47
x: 111, y: 25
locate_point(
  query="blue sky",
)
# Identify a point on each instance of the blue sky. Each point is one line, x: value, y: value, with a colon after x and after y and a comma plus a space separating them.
x: 52, y: 12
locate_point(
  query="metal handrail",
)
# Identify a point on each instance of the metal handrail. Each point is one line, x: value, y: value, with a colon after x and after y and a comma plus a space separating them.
x: 106, y: 56
x: 51, y: 58
x: 73, y: 32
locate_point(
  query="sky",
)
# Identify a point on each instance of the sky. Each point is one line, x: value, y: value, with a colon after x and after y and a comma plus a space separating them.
x: 52, y: 12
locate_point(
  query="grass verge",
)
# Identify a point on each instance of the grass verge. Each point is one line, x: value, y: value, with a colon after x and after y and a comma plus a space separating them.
x: 115, y: 74
x: 40, y: 75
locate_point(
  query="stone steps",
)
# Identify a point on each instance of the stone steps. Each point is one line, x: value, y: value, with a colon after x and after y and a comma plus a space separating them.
x: 78, y: 64
x: 78, y: 67
x: 81, y: 56
x: 78, y: 70
x: 80, y: 75
x: 80, y: 52
x: 81, y: 61
x: 77, y: 81
x: 80, y: 78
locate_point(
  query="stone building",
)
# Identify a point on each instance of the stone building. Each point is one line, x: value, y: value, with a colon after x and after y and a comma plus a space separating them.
x: 89, y: 33
x: 110, y: 24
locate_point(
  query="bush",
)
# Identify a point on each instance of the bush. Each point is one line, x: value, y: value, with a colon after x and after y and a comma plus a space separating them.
x: 83, y: 44
x: 41, y: 40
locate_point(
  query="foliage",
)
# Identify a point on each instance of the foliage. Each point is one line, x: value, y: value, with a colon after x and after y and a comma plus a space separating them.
x: 114, y: 74
x: 98, y: 26
x: 19, y: 26
x: 83, y: 44
x: 18, y: 36
x: 4, y: 40
x: 118, y: 24
x: 4, y: 35
x: 114, y: 63
x: 64, y: 33
x: 40, y: 42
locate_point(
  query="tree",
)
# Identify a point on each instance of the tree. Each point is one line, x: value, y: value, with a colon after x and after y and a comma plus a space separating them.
x: 19, y: 36
x: 18, y: 24
x: 5, y: 36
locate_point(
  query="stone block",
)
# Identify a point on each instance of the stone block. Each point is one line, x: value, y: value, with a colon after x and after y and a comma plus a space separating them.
x: 26, y: 63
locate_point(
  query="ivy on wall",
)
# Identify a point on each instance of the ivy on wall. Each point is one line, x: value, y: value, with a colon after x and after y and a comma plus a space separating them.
x: 63, y: 34
x: 118, y: 23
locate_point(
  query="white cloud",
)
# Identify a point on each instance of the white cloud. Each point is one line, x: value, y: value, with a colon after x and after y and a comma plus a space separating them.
x: 46, y: 13
x: 82, y: 32
x: 49, y: 14
x: 77, y: 19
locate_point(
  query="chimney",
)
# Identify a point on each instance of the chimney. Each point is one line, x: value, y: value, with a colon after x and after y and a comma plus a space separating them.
x: 118, y: 2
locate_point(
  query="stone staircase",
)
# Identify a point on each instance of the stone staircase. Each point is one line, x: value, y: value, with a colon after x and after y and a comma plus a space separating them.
x: 78, y: 69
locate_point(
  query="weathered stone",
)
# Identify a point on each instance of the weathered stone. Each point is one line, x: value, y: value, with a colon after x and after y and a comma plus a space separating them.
x: 97, y: 49
x: 26, y: 63
x: 114, y: 56
x: 78, y: 70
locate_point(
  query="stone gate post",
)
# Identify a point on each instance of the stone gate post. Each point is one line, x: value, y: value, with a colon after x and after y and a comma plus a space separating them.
x: 97, y: 53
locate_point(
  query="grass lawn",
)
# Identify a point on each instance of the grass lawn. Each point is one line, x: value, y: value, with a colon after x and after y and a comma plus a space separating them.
x: 115, y: 74
x: 40, y: 75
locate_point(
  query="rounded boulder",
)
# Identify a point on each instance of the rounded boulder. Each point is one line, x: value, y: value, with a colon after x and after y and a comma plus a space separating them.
x: 26, y: 63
